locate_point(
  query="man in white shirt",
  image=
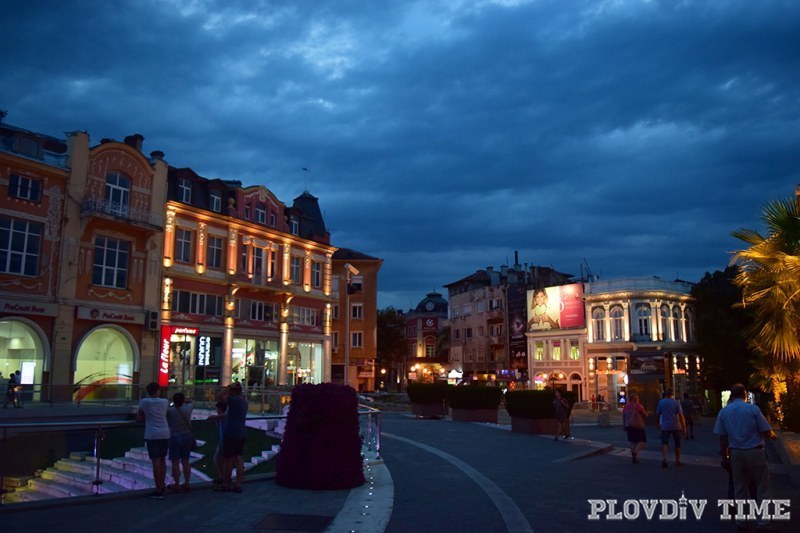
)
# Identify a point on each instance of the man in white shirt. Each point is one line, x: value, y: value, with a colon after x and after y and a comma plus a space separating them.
x: 153, y: 412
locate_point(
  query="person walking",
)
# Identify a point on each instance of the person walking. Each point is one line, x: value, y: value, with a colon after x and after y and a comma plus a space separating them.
x: 153, y: 412
x: 233, y: 438
x: 634, y: 419
x: 11, y: 386
x: 688, y: 413
x: 561, y: 405
x: 742, y: 428
x: 671, y: 423
x: 179, y: 419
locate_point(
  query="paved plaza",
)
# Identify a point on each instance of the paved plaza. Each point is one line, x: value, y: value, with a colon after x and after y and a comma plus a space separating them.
x: 440, y: 475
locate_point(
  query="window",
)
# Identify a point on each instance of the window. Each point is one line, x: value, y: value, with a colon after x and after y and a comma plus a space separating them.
x: 304, y: 316
x: 262, y: 311
x: 480, y: 331
x: 28, y: 147
x: 110, y: 262
x: 480, y: 306
x: 183, y: 245
x: 665, y: 323
x: 216, y: 202
x: 25, y: 188
x: 495, y: 303
x: 643, y: 317
x: 261, y: 214
x: 599, y: 323
x: 456, y: 334
x: 258, y: 265
x: 357, y: 311
x: 295, y: 226
x: 617, y: 323
x: 335, y: 312
x: 676, y: 324
x: 357, y: 339
x: 687, y: 315
x: 273, y: 263
x: 466, y: 310
x: 430, y: 350
x: 214, y: 258
x: 118, y: 191
x: 316, y: 274
x: 272, y: 219
x: 247, y: 212
x: 467, y: 333
x: 574, y: 350
x: 335, y: 339
x: 185, y: 191
x: 197, y: 304
x: 19, y: 246
x: 538, y: 352
x: 556, y: 351
x: 296, y: 269
x: 454, y: 311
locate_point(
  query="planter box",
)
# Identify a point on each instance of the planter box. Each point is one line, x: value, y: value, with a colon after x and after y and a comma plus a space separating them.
x: 428, y: 410
x: 474, y: 415
x: 536, y: 426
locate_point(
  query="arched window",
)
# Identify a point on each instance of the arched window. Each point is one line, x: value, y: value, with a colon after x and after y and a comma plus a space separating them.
x: 687, y: 316
x: 599, y: 323
x: 643, y: 318
x: 104, y: 365
x: 665, y: 329
x: 617, y: 323
x: 676, y: 324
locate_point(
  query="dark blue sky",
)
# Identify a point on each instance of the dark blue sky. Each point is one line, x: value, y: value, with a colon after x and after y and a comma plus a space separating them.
x: 442, y: 136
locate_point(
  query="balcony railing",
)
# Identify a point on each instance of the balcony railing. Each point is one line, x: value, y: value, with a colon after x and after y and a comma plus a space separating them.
x: 125, y: 212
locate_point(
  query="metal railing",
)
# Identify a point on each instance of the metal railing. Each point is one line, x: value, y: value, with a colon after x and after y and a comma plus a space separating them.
x: 92, y: 434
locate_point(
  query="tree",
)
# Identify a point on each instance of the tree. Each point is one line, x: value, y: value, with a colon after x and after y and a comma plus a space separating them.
x: 719, y: 326
x: 392, y: 342
x: 770, y: 283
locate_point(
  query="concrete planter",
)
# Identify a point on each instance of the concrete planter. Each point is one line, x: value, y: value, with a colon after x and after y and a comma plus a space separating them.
x: 428, y: 410
x: 474, y: 415
x: 535, y: 426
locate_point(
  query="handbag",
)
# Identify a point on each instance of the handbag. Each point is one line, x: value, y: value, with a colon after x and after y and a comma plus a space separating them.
x: 194, y: 445
x: 634, y: 420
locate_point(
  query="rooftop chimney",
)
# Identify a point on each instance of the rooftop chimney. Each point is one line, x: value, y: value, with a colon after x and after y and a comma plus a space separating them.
x: 135, y: 140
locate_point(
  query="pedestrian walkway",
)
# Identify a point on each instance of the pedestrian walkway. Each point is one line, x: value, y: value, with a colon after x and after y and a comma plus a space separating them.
x: 435, y: 475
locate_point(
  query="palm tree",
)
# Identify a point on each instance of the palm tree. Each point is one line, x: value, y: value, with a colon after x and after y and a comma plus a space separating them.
x: 770, y: 283
x: 770, y: 280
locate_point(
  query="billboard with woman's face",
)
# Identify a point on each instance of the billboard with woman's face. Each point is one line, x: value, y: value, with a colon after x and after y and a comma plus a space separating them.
x: 559, y: 307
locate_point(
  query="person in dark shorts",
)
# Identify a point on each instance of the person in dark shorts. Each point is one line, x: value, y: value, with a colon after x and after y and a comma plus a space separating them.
x: 179, y: 419
x: 153, y: 412
x: 634, y: 417
x: 671, y: 424
x: 233, y: 437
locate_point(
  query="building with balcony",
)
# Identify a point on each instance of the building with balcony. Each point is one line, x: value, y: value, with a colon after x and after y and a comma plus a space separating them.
x: 354, y: 329
x: 247, y: 291
x: 488, y: 319
x: 81, y: 237
x: 640, y: 338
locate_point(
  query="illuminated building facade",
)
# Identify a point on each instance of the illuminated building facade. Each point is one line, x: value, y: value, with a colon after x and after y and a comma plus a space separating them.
x: 424, y: 327
x: 247, y: 292
x: 354, y: 329
x: 640, y: 338
x: 80, y: 244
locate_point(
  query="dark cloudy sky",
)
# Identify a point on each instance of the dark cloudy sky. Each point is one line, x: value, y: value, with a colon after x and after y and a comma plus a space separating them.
x: 441, y: 136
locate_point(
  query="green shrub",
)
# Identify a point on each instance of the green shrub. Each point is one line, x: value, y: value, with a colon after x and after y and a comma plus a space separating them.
x: 535, y: 404
x: 428, y: 393
x: 475, y: 397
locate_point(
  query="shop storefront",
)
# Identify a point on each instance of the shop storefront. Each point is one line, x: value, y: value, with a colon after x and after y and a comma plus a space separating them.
x: 105, y: 363
x: 304, y: 362
x: 254, y: 362
x: 23, y: 347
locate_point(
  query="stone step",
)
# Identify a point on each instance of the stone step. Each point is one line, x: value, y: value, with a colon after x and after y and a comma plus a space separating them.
x: 12, y: 482
x: 81, y: 456
x: 56, y: 489
x: 26, y: 495
x: 110, y: 472
x: 79, y: 479
x: 268, y: 454
x: 136, y: 465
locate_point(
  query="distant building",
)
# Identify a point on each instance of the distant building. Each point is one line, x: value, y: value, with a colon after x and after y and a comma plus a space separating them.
x: 488, y: 321
x: 425, y: 325
x: 640, y: 337
x: 354, y: 331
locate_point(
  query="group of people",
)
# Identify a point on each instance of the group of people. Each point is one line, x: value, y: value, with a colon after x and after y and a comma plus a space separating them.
x: 168, y: 432
x: 740, y: 426
x: 12, y: 387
